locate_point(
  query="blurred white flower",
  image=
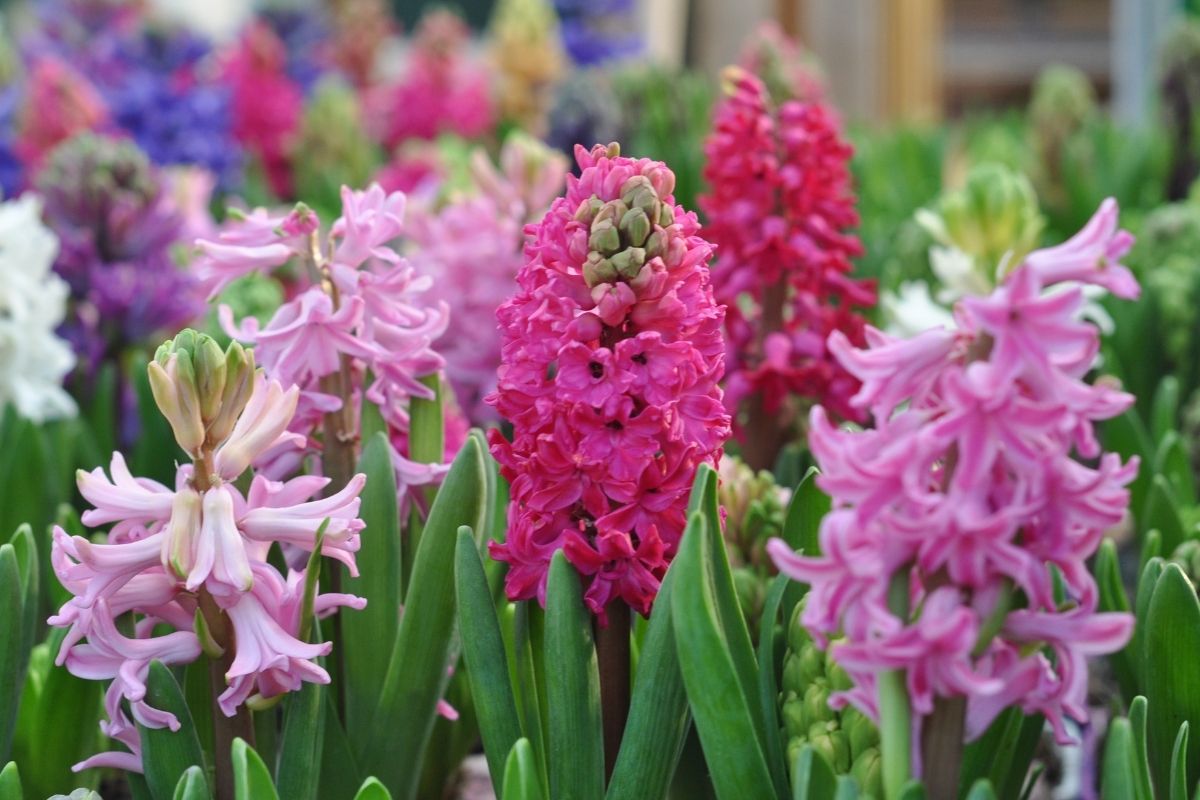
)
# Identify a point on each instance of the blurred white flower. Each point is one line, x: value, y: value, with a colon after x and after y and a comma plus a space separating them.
x: 911, y: 310
x: 33, y: 302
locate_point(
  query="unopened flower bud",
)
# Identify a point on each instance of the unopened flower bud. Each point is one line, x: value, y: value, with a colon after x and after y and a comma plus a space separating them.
x: 666, y: 215
x: 178, y: 547
x: 861, y: 733
x: 654, y: 245
x: 635, y: 225
x: 209, y: 363
x: 597, y: 270
x: 588, y: 209
x: 830, y: 742
x: 867, y: 771
x: 174, y: 388
x: 604, y: 237
x: 793, y: 715
x: 638, y: 192
x: 239, y: 384
x: 629, y: 262
x: 816, y: 704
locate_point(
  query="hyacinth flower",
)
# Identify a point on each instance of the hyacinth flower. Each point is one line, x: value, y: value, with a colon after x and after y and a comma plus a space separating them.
x: 599, y: 31
x: 981, y: 231
x: 611, y: 352
x: 58, y: 103
x: 528, y: 56
x: 34, y: 360
x: 441, y: 90
x: 471, y: 248
x: 154, y: 81
x: 266, y: 102
x: 357, y: 326
x: 953, y: 563
x: 779, y: 208
x: 117, y: 224
x: 193, y: 557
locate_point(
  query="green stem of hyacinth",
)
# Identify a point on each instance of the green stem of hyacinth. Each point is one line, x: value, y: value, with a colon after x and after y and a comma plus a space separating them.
x: 895, y: 711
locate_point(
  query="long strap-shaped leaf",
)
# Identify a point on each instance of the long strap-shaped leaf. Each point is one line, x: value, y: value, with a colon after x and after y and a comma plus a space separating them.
x: 720, y: 705
x: 399, y: 732
x: 368, y: 635
x: 251, y: 778
x: 10, y: 782
x: 167, y: 754
x: 521, y: 774
x: 572, y: 689
x: 12, y: 642
x: 724, y: 595
x: 192, y: 785
x: 658, y: 711
x: 486, y: 661
x: 1172, y: 639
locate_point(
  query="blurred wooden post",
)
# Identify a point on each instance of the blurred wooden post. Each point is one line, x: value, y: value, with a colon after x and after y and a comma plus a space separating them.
x: 790, y: 14
x: 912, y: 63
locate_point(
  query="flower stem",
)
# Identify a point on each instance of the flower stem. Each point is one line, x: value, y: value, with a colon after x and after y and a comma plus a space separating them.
x: 612, y: 653
x: 942, y: 746
x: 225, y: 729
x: 895, y: 712
x: 764, y: 433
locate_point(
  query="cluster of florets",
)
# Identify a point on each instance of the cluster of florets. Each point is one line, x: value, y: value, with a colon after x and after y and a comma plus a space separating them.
x: 611, y: 354
x: 965, y: 500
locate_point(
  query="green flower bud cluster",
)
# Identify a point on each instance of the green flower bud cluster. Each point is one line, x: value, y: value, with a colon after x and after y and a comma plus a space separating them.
x: 847, y: 739
x: 1166, y: 259
x: 754, y: 507
x: 200, y: 388
x: 993, y: 218
x: 627, y: 232
x: 333, y: 149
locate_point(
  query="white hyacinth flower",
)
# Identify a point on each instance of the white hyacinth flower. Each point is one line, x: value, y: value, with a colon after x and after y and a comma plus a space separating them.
x: 33, y: 302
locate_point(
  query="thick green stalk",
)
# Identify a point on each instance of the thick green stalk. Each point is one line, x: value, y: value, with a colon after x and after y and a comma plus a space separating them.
x: 895, y: 712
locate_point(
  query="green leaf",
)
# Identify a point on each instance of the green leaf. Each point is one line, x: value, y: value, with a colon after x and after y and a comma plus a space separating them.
x: 1141, y: 757
x: 807, y: 508
x: 298, y: 772
x: 1172, y: 462
x: 521, y: 774
x: 10, y: 782
x: 1172, y: 639
x: 26, y: 550
x: 658, y: 711
x: 372, y: 789
x: 427, y: 429
x: 1107, y: 570
x: 339, y: 768
x: 1147, y: 581
x: 725, y: 603
x: 1117, y: 773
x: 913, y: 791
x: 572, y: 689
x: 485, y: 657
x: 813, y: 778
x: 982, y: 790
x: 192, y: 785
x: 167, y: 754
x: 720, y: 705
x: 395, y: 742
x: 847, y: 789
x: 1162, y: 514
x: 368, y: 636
x: 12, y: 645
x: 251, y: 778
x: 57, y: 724
x: 1165, y: 410
x: 1003, y: 754
x: 1178, y: 766
x: 768, y: 690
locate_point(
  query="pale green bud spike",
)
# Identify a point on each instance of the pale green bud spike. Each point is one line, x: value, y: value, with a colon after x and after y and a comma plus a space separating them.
x: 209, y: 362
x: 239, y: 384
x: 629, y: 262
x: 604, y: 238
x: 174, y: 392
x: 654, y: 245
x: 597, y: 270
x: 635, y: 226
